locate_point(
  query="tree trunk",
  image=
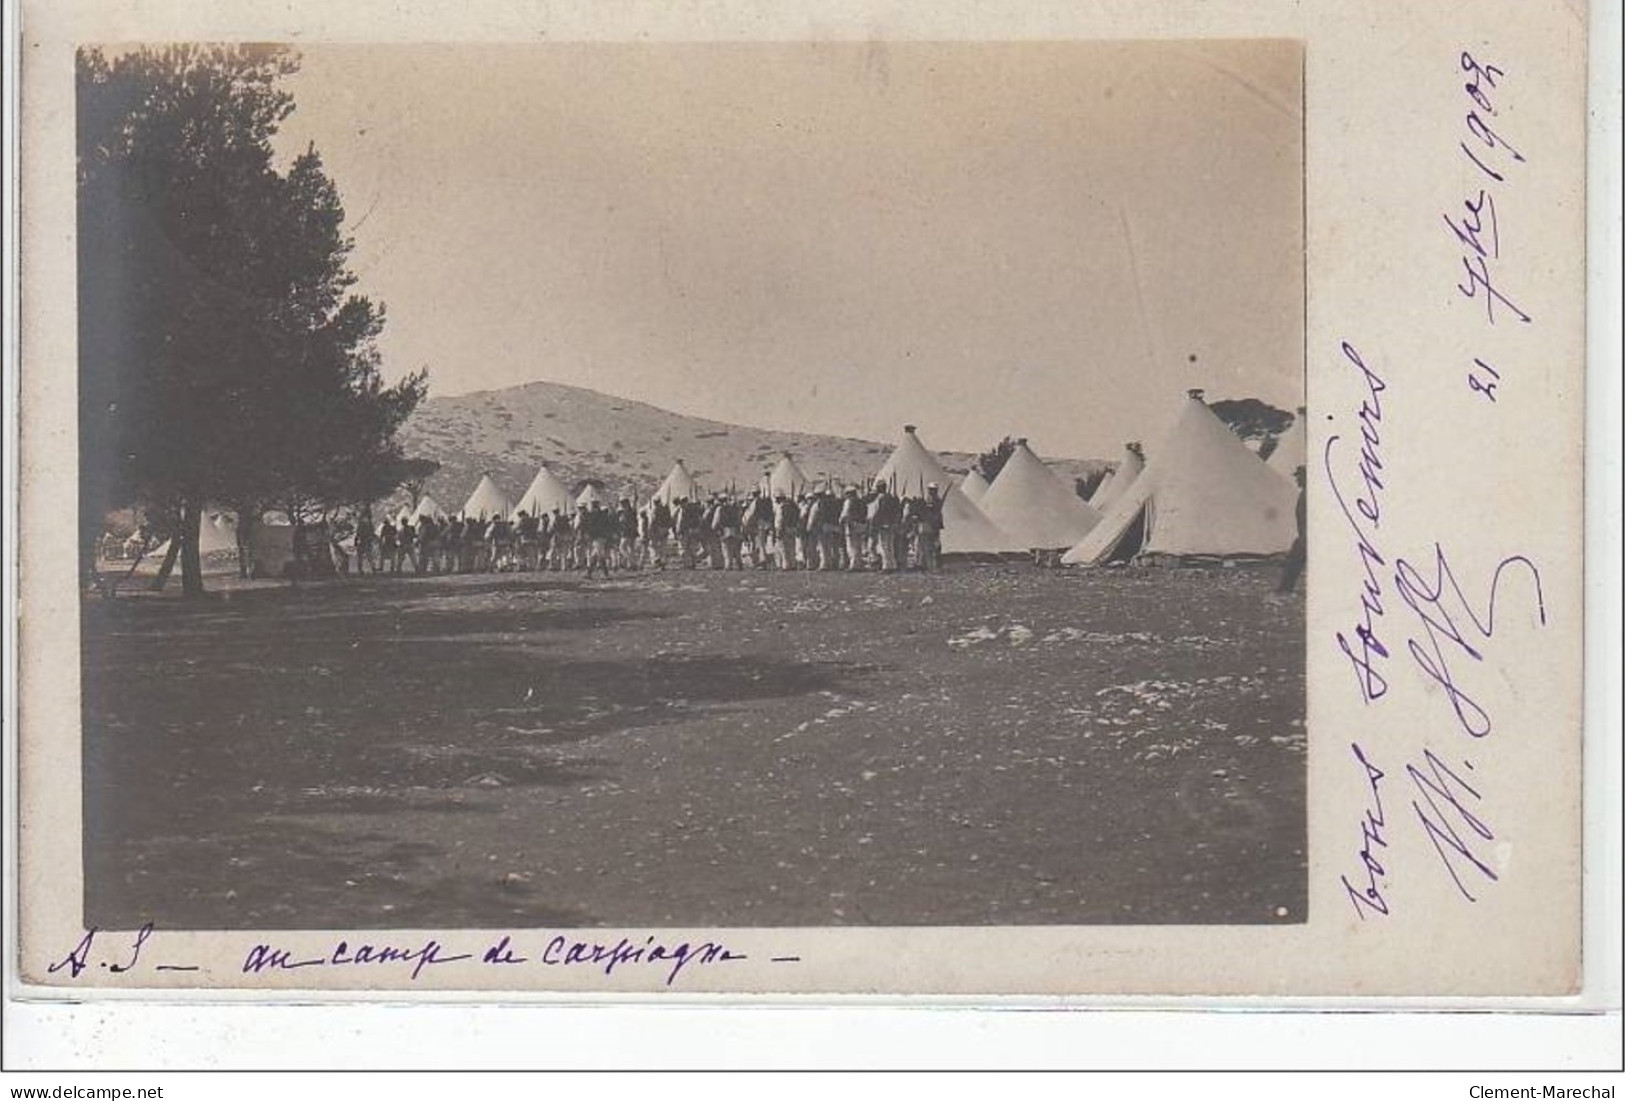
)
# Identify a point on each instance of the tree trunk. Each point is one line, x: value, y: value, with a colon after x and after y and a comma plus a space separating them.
x: 167, y: 567
x: 246, y: 520
x: 191, y: 562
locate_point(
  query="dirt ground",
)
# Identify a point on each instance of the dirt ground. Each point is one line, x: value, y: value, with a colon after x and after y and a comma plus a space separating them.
x: 989, y: 745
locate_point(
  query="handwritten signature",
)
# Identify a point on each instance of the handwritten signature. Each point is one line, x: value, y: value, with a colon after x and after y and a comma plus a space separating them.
x: 1451, y: 627
x: 1453, y: 828
x: 127, y: 957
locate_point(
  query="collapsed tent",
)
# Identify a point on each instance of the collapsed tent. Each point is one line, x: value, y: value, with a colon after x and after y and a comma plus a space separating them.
x: 1033, y: 506
x: 1292, y: 449
x: 679, y: 485
x: 1117, y: 482
x: 1202, y: 493
x: 487, y: 502
x: 974, y: 485
x: 787, y: 480
x: 965, y: 529
x: 546, y: 494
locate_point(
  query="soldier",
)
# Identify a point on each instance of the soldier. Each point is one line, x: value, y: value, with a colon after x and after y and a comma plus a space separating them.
x: 597, y: 527
x: 500, y: 541
x: 366, y: 545
x: 855, y: 525
x: 406, y: 546
x: 429, y: 532
x: 885, y: 518
x: 787, y: 526
x: 525, y: 533
x: 657, y: 529
x: 1297, y: 555
x: 388, y: 547
x: 761, y: 524
x: 626, y: 531
x: 728, y: 529
x: 473, y: 548
x: 928, y: 530
x: 686, y: 522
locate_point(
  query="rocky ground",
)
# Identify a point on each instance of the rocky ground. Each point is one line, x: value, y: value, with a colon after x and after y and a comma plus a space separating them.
x: 990, y: 745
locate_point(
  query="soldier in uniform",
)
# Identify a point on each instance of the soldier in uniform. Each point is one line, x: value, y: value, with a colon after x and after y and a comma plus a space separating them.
x: 928, y: 530
x: 366, y: 545
x: 597, y: 527
x: 406, y: 543
x: 885, y: 519
x: 474, y: 544
x: 389, y: 548
x: 787, y: 526
x: 429, y: 532
x: 500, y: 539
x: 728, y: 524
x: 626, y: 530
x: 855, y: 525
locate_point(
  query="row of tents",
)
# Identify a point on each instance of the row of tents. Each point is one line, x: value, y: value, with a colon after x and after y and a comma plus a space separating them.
x: 1199, y: 492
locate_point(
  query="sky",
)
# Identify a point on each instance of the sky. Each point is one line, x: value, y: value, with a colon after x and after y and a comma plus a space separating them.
x: 1028, y: 239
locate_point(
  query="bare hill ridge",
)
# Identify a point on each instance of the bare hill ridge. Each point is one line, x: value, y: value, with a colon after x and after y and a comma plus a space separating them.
x: 628, y: 446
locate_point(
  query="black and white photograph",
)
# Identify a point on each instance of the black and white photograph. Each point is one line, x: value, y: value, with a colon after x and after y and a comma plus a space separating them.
x: 568, y: 536
x: 692, y: 485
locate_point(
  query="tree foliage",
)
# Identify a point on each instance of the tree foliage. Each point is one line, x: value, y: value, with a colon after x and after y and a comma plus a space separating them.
x: 223, y: 357
x: 991, y: 461
x: 1252, y: 419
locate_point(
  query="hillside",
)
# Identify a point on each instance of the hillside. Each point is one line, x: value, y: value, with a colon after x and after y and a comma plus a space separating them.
x: 627, y: 445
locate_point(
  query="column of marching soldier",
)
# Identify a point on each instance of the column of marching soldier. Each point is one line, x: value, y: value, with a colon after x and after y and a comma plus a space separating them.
x: 819, y: 530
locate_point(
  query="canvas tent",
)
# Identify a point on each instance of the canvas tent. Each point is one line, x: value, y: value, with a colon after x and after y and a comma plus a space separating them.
x: 589, y: 495
x: 1114, y: 484
x: 974, y: 485
x: 217, y: 534
x: 1033, y: 506
x: 965, y: 529
x: 679, y: 483
x: 428, y: 506
x: 787, y: 480
x: 487, y: 501
x: 545, y: 494
x: 1292, y: 449
x: 1202, y: 493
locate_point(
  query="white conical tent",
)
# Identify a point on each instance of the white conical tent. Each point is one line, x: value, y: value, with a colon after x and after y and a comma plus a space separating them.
x: 1117, y: 482
x: 1202, y: 493
x: 404, y: 516
x: 216, y: 533
x: 787, y: 480
x: 428, y: 506
x: 974, y: 485
x: 589, y: 495
x: 679, y: 483
x: 1033, y: 506
x: 1292, y: 449
x: 487, y: 502
x: 545, y: 494
x: 965, y: 529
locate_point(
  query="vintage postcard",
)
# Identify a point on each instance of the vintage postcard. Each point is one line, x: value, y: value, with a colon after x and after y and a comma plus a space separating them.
x: 802, y: 504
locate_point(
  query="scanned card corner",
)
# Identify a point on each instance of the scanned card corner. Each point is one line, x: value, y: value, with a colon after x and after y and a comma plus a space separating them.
x: 671, y: 517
